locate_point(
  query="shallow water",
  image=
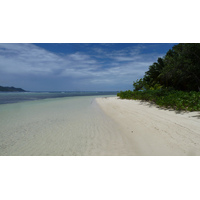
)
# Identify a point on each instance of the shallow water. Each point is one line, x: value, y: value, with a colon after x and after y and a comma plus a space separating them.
x: 14, y: 97
x: 61, y: 126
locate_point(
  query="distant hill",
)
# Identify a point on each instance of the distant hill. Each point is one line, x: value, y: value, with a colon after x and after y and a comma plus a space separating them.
x: 11, y: 89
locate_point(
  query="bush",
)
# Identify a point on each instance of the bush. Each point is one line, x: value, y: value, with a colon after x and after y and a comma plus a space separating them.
x: 178, y: 100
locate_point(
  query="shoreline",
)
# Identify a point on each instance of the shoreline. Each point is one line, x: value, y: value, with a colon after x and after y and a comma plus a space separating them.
x: 74, y: 126
x: 154, y: 131
x: 96, y: 126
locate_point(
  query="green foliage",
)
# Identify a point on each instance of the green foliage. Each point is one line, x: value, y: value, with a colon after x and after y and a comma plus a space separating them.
x: 138, y: 84
x: 178, y: 100
x: 152, y: 76
x: 173, y: 81
x: 125, y: 95
x: 178, y: 69
x: 182, y: 67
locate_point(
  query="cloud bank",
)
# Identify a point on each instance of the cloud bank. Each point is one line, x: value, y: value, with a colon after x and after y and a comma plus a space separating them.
x: 37, y: 69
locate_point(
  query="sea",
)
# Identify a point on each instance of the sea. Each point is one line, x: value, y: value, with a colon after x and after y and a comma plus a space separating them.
x: 58, y: 123
x: 15, y: 97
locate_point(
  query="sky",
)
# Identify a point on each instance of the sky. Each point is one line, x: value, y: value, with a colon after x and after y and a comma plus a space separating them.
x: 77, y: 66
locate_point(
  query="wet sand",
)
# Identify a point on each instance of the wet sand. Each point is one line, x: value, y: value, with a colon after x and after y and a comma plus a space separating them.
x: 152, y: 130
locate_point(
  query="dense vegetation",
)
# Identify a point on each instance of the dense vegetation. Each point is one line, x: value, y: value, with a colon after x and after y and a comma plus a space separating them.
x: 11, y: 89
x: 178, y: 100
x: 173, y: 81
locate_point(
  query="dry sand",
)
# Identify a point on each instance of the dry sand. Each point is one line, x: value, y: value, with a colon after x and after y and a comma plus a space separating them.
x: 152, y: 130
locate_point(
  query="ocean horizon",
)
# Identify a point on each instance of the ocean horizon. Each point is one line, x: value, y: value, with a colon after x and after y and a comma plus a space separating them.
x: 15, y: 97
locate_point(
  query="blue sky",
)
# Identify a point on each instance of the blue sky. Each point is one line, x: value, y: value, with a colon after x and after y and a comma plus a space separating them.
x: 77, y: 66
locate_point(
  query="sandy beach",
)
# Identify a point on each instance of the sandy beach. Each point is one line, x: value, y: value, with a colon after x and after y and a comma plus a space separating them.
x: 152, y: 130
x: 93, y: 126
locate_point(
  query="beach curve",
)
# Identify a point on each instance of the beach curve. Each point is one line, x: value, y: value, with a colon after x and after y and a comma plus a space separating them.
x: 152, y: 130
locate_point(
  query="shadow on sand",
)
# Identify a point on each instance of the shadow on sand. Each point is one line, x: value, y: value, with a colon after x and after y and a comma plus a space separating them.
x: 152, y: 104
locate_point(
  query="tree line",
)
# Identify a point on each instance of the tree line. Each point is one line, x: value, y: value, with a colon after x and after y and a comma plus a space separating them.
x: 179, y: 69
x: 171, y: 82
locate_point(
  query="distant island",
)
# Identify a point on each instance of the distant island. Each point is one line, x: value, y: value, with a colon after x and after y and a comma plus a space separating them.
x: 11, y: 89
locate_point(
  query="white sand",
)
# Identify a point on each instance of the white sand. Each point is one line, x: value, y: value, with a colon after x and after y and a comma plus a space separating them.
x: 105, y: 126
x: 154, y: 131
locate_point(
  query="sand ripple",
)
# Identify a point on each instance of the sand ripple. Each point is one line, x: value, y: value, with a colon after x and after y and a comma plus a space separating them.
x: 67, y: 126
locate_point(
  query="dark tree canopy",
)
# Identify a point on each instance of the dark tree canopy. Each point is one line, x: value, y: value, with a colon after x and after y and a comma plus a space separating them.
x: 179, y: 69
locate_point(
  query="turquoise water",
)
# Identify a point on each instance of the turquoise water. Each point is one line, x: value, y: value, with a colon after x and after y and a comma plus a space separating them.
x: 14, y: 97
x: 59, y: 126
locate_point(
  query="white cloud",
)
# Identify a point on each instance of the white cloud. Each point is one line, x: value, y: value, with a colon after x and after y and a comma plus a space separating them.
x: 27, y: 59
x: 100, y: 67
